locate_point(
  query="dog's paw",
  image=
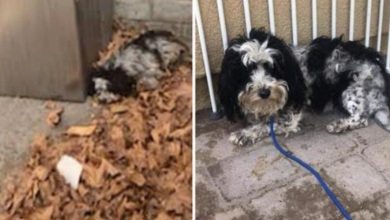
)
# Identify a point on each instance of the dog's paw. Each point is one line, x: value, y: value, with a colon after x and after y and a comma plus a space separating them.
x: 296, y: 129
x: 107, y: 97
x: 336, y: 127
x: 243, y: 139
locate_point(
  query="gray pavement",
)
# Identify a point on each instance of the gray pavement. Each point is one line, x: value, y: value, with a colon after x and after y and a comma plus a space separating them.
x: 21, y: 119
x: 259, y: 183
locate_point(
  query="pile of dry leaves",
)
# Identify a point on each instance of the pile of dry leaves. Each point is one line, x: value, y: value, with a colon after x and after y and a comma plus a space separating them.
x: 136, y: 157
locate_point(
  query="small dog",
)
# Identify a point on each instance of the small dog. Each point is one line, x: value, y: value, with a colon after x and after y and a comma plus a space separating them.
x: 143, y: 61
x: 262, y: 76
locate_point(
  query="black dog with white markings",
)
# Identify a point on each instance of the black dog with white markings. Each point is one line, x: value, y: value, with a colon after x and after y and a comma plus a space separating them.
x: 263, y: 76
x: 144, y: 61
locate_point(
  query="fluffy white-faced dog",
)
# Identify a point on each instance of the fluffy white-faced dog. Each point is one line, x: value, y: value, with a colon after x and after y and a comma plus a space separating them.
x: 263, y: 76
x: 144, y: 61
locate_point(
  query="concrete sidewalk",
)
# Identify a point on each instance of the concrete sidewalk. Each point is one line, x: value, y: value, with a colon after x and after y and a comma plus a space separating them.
x: 22, y: 119
x: 259, y: 183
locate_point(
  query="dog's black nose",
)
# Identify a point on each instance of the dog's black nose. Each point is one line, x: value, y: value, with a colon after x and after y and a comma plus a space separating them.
x: 264, y: 93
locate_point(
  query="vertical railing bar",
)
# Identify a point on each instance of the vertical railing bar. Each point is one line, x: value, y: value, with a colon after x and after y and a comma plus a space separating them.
x: 271, y: 16
x: 205, y: 56
x: 351, y: 19
x: 247, y: 17
x: 380, y: 24
x: 222, y: 24
x: 294, y: 22
x: 334, y: 21
x: 314, y: 17
x: 388, y: 50
x: 368, y: 24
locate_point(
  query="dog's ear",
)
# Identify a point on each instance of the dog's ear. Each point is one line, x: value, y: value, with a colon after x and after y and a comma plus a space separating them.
x: 233, y: 78
x: 292, y: 74
x: 288, y: 69
x: 226, y: 96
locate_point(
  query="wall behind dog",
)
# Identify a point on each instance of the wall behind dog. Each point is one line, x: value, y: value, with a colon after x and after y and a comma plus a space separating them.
x: 173, y: 15
x: 235, y: 22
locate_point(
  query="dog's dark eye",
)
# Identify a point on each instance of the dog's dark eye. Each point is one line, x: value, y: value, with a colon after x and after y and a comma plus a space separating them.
x: 267, y: 67
x: 252, y: 66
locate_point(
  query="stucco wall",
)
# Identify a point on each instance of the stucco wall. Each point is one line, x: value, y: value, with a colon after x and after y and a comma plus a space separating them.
x: 234, y: 15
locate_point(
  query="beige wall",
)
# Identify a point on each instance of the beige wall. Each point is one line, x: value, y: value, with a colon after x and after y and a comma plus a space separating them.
x: 234, y: 15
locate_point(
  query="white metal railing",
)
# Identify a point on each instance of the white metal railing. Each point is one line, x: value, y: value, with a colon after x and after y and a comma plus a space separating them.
x: 368, y: 23
x: 271, y: 16
x: 247, y: 16
x: 221, y: 15
x: 351, y: 19
x: 334, y: 18
x: 202, y: 41
x: 380, y: 24
x: 314, y: 17
x: 294, y: 29
x: 294, y: 22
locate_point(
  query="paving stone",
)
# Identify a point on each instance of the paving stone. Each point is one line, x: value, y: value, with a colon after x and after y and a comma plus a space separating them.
x: 320, y: 147
x: 207, y: 197
x: 363, y: 215
x: 303, y: 199
x: 373, y: 134
x: 232, y: 214
x: 355, y: 177
x: 376, y: 210
x: 379, y: 154
x: 282, y: 193
x: 205, y: 125
x: 370, y: 135
x: 214, y: 146
x: 249, y: 172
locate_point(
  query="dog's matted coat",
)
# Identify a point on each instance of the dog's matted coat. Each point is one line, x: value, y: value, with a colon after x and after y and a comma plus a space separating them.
x: 144, y: 60
x: 263, y: 76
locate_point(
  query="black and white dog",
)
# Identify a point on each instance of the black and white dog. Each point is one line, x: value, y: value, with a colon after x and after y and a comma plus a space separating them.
x: 144, y: 61
x: 263, y: 76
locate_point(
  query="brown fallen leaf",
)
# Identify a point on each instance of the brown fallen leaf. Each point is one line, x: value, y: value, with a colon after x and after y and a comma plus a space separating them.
x: 50, y: 105
x: 109, y: 168
x: 42, y: 214
x: 92, y: 176
x: 17, y: 201
x: 5, y: 216
x: 81, y: 130
x: 181, y: 132
x: 138, y: 179
x: 163, y: 216
x: 118, y: 108
x: 41, y: 172
x: 54, y: 117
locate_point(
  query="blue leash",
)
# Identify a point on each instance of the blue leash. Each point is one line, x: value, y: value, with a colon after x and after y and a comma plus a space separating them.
x: 308, y: 167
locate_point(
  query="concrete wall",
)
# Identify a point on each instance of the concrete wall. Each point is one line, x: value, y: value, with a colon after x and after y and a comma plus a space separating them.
x: 174, y: 15
x: 234, y: 16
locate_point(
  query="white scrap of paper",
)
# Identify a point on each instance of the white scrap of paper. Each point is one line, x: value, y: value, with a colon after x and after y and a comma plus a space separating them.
x: 70, y: 169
